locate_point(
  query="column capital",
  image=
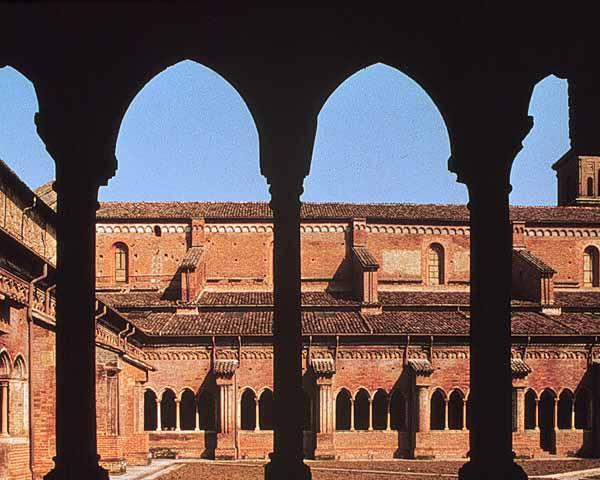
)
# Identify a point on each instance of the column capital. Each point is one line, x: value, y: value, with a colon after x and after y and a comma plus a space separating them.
x: 285, y: 193
x: 484, y: 155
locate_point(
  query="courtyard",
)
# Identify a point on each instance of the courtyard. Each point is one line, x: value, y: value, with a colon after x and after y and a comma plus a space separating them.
x: 378, y: 470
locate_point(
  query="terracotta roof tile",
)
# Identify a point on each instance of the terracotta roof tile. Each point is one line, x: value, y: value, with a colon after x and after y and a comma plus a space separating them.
x: 424, y: 298
x: 213, y: 299
x: 138, y: 299
x: 584, y: 323
x: 192, y: 258
x: 225, y: 366
x: 365, y: 257
x: 374, y: 211
x: 533, y: 323
x: 419, y: 323
x: 534, y: 261
x: 578, y: 299
x: 323, y: 366
x: 519, y: 368
x: 420, y: 366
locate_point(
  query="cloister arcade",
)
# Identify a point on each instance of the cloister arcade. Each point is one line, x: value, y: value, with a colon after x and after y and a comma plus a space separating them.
x: 480, y: 78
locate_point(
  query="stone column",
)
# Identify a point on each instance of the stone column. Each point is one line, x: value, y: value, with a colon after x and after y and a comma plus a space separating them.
x: 76, y: 447
x: 445, y: 414
x: 158, y: 416
x: 370, y: 414
x: 537, y: 415
x: 351, y: 414
x: 4, y: 408
x: 325, y: 422
x: 422, y: 408
x: 226, y: 410
x: 257, y: 414
x: 177, y: 415
x: 573, y: 413
x: 325, y: 395
x: 197, y: 415
x: 389, y: 413
x: 483, y: 163
x: 555, y: 412
x: 286, y: 188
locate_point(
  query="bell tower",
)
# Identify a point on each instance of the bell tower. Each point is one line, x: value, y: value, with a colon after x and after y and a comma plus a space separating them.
x: 578, y: 179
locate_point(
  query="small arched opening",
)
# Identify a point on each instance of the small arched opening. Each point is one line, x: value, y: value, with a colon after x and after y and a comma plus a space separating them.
x: 435, y: 264
x: 380, y: 410
x: 168, y: 410
x: 150, y: 412
x: 361, y: 410
x: 248, y: 410
x: 342, y: 410
x: 456, y: 410
x: 265, y: 410
x: 546, y: 417
x: 187, y: 410
x: 121, y: 256
x: 590, y: 267
x: 438, y: 410
x: 530, y: 410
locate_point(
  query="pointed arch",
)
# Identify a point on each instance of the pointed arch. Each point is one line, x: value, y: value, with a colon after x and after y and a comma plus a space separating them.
x: 361, y: 409
x: 248, y: 409
x: 265, y: 410
x: 20, y: 368
x: 168, y: 409
x: 438, y: 410
x: 530, y: 409
x: 343, y: 410
x: 565, y: 409
x: 456, y: 420
x: 435, y: 264
x: 187, y: 409
x: 150, y: 411
x: 380, y: 410
x: 5, y: 364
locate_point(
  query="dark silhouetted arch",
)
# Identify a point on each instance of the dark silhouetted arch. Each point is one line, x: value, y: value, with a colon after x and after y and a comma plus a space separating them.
x: 361, y: 410
x: 583, y: 406
x: 398, y: 411
x: 248, y: 410
x: 187, y: 410
x: 167, y: 410
x: 342, y: 410
x: 150, y: 413
x: 565, y: 410
x: 265, y: 410
x: 380, y: 410
x: 438, y: 410
x: 530, y: 407
x: 455, y: 410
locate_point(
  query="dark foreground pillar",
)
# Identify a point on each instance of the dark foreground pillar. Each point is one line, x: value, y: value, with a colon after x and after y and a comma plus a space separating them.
x: 76, y: 450
x: 287, y: 457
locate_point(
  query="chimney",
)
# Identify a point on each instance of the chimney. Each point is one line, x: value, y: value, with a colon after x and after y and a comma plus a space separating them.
x: 197, y: 232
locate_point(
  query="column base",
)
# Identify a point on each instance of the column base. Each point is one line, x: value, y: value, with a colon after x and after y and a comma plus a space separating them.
x: 286, y: 468
x: 76, y: 471
x: 487, y: 471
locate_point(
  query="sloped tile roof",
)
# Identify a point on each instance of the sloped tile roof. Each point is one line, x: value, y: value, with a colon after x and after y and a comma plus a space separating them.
x: 225, y: 366
x: 192, y: 258
x: 323, y: 366
x: 419, y: 323
x: 534, y: 261
x: 519, y: 368
x: 533, y: 323
x: 424, y: 298
x: 372, y: 211
x: 365, y: 257
x: 138, y: 299
x: 420, y: 366
x: 584, y: 323
x: 214, y: 299
x: 578, y: 299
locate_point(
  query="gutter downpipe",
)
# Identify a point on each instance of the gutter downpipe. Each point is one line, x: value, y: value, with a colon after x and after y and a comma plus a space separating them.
x: 24, y: 212
x: 32, y: 284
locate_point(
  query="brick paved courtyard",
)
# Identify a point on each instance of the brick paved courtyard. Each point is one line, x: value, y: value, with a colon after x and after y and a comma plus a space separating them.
x: 377, y: 470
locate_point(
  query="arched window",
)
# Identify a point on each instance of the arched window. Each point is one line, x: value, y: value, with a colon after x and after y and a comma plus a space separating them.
x: 121, y: 263
x: 438, y: 410
x: 19, y: 398
x: 565, y: 410
x: 361, y: 410
x: 590, y: 187
x: 590, y: 267
x: 265, y: 410
x: 546, y: 416
x: 150, y: 418
x: 380, y: 410
x: 530, y: 408
x: 248, y: 407
x: 206, y: 411
x: 342, y: 410
x: 398, y: 411
x: 167, y: 410
x: 435, y: 264
x: 468, y: 412
x: 307, y: 404
x: 187, y: 410
x: 455, y: 410
x: 583, y: 410
x: 5, y: 368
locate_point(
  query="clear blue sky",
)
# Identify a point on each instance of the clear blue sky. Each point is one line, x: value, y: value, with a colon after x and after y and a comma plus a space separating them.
x: 189, y: 136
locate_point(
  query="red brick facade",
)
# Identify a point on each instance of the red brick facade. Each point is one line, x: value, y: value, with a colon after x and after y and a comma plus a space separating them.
x: 184, y: 353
